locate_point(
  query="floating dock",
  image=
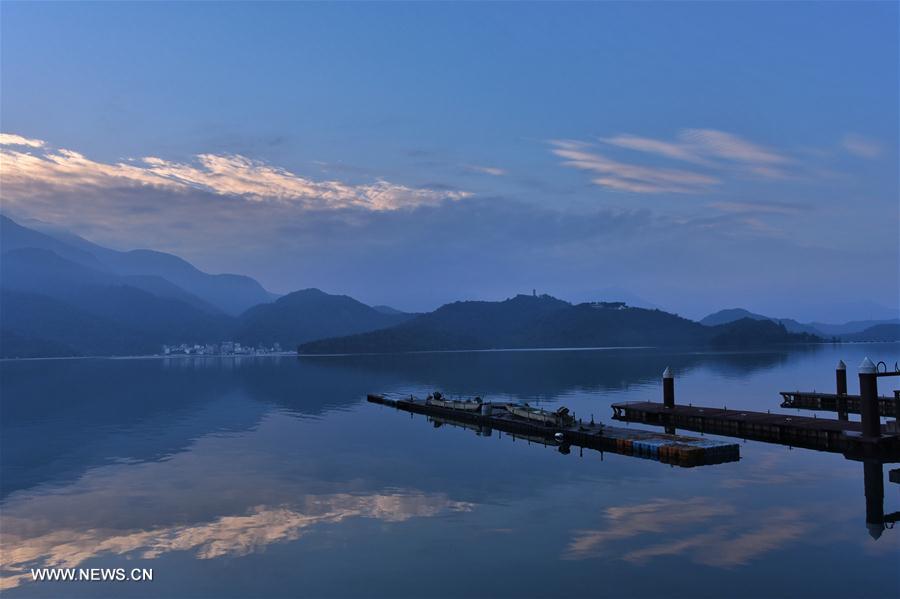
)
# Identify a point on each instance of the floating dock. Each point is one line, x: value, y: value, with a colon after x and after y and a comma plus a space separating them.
x: 832, y: 402
x: 671, y: 449
x: 822, y: 434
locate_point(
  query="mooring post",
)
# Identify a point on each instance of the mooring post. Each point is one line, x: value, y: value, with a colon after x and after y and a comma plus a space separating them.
x: 841, y: 377
x: 868, y: 399
x: 668, y: 388
x: 841, y: 380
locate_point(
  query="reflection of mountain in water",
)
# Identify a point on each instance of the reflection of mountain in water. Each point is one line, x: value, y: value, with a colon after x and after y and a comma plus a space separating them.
x: 62, y: 417
x: 545, y: 374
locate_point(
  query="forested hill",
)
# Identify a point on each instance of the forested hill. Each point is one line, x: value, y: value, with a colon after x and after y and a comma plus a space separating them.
x: 532, y: 322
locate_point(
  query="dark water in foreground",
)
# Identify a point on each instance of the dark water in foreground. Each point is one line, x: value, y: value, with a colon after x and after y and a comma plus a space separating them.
x: 273, y: 477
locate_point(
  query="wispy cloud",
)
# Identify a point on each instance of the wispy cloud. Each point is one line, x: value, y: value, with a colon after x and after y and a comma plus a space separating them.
x: 629, y: 177
x: 486, y: 170
x: 861, y: 146
x: 712, y: 152
x: 668, y: 149
x: 757, y: 207
x: 26, y: 171
x: 720, y: 144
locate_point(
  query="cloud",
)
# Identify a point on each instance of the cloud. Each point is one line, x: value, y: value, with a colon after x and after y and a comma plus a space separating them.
x: 674, y: 150
x: 486, y: 170
x: 10, y: 139
x: 712, y: 150
x: 757, y: 207
x: 630, y: 177
x: 26, y: 174
x: 704, y: 147
x: 861, y: 146
x: 720, y: 144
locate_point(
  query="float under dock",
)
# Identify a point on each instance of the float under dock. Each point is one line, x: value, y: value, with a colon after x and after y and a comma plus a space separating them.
x: 671, y: 449
x: 823, y: 434
x: 832, y: 402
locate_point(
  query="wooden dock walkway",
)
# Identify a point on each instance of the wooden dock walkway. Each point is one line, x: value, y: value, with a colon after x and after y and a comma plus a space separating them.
x: 840, y: 436
x: 671, y: 449
x: 832, y: 402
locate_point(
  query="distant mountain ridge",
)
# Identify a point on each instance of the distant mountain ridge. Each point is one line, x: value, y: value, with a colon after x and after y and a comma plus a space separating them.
x: 854, y: 330
x: 54, y: 303
x: 231, y: 294
x: 64, y: 296
x: 878, y: 332
x: 730, y: 315
x: 526, y: 322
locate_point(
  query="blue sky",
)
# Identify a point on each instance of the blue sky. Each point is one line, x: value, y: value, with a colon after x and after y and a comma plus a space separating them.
x: 696, y: 155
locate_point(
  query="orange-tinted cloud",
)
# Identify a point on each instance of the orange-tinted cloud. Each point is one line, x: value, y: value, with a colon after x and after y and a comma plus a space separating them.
x: 29, y: 167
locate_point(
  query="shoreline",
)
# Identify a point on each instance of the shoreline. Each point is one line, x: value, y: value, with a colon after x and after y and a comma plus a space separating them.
x: 151, y: 357
x: 444, y: 351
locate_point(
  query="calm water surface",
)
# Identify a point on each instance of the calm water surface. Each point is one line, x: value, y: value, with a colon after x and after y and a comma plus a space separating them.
x: 273, y: 477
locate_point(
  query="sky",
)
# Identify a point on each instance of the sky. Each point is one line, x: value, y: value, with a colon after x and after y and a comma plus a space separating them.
x: 691, y: 156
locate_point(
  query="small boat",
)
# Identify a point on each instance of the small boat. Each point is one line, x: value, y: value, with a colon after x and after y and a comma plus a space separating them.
x: 560, y: 417
x: 469, y: 405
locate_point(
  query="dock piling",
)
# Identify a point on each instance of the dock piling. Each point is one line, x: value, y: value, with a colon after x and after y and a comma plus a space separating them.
x: 868, y: 402
x: 840, y: 374
x: 841, y: 377
x: 668, y: 388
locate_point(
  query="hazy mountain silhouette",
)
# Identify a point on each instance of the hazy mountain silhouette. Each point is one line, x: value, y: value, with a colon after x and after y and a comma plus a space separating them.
x: 820, y: 329
x: 852, y: 327
x: 65, y: 296
x: 53, y: 306
x: 879, y: 332
x: 229, y: 293
x: 731, y: 315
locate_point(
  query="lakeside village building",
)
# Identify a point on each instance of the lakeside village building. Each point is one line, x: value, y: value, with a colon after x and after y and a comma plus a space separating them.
x: 228, y: 348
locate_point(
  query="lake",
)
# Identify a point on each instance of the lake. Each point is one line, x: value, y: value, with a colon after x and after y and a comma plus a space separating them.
x: 273, y: 477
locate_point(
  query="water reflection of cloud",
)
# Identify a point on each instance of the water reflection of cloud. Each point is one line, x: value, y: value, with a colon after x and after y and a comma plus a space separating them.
x: 727, y: 540
x: 226, y: 495
x: 233, y: 535
x: 774, y: 468
x: 653, y: 517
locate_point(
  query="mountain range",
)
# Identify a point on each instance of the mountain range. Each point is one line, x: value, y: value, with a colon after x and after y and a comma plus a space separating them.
x: 61, y: 295
x: 159, y: 273
x: 856, y: 330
